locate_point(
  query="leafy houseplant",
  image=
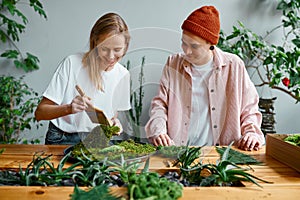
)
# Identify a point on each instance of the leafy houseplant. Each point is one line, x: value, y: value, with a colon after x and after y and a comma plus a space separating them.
x: 276, y: 66
x: 17, y: 99
x: 17, y: 103
x: 13, y: 23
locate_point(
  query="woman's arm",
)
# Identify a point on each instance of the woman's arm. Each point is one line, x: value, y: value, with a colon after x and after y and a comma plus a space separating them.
x: 48, y: 109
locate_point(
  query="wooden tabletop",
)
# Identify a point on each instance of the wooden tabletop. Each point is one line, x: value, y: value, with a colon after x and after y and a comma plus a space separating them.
x: 286, y: 181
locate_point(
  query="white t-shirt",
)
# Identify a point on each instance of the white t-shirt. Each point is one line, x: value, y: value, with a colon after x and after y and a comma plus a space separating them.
x: 200, y: 129
x: 61, y: 90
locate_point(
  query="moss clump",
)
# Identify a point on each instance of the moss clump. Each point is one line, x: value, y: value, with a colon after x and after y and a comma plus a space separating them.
x: 100, y: 136
x: 128, y: 148
x: 137, y: 148
x: 293, y: 139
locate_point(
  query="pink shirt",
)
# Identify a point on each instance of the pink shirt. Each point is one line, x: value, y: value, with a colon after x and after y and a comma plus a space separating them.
x: 233, y: 101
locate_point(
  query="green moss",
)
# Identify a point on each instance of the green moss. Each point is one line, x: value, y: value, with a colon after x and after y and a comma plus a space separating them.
x: 128, y: 148
x: 293, y: 139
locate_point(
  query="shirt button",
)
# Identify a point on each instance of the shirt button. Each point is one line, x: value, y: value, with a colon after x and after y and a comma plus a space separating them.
x: 185, y: 123
x: 213, y: 108
x: 212, y: 90
x: 215, y: 126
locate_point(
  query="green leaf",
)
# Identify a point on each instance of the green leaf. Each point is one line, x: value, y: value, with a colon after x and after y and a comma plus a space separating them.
x: 268, y: 60
x: 10, y: 54
x: 237, y: 156
x: 296, y: 42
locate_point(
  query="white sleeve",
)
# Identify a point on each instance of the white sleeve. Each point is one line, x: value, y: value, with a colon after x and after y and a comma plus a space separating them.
x: 57, y: 86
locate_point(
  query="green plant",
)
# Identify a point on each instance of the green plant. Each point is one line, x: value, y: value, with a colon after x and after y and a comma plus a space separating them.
x: 136, y: 100
x: 13, y: 23
x: 100, y: 192
x: 275, y: 65
x: 293, y: 139
x: 150, y: 185
x: 17, y: 103
x: 224, y: 173
x: 145, y: 185
x: 17, y: 99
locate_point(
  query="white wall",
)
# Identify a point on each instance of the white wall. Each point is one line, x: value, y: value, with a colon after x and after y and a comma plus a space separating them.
x: 155, y: 29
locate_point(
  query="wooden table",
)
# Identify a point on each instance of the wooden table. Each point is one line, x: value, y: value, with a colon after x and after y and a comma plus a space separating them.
x: 286, y: 181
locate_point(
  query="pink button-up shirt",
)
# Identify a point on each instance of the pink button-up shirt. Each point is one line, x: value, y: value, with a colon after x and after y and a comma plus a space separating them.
x: 233, y: 101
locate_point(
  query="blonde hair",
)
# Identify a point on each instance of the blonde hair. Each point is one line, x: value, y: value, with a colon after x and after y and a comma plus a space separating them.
x: 106, y: 26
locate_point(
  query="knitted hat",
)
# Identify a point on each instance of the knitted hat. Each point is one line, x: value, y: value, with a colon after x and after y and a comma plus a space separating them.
x: 205, y: 23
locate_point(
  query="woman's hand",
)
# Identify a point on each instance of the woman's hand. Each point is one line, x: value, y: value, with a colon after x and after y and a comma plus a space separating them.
x: 81, y: 103
x: 116, y: 122
x: 162, y: 139
x: 249, y: 142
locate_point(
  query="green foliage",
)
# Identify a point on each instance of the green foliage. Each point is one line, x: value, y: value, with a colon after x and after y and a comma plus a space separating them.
x: 17, y: 103
x: 225, y: 173
x: 293, y: 139
x: 237, y: 157
x: 100, y: 192
x: 272, y: 63
x: 137, y: 97
x: 137, y: 148
x: 13, y: 23
x: 136, y: 100
x: 40, y: 171
x: 129, y: 149
x: 145, y: 185
x: 110, y: 131
x: 151, y: 186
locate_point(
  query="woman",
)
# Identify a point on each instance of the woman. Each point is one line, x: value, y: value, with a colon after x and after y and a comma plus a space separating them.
x: 206, y: 96
x: 105, y: 82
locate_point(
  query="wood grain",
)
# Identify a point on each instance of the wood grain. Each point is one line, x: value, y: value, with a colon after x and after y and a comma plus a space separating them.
x: 286, y: 180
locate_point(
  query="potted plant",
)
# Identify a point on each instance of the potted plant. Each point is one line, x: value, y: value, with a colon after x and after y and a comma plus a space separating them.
x: 17, y: 99
x: 136, y: 99
x: 18, y: 102
x: 275, y: 66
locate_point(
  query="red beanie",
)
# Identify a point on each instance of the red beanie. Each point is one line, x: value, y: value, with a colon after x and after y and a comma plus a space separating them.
x: 205, y: 23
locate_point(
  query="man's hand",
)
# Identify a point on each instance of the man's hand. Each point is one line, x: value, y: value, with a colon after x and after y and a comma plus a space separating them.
x: 162, y: 139
x: 249, y: 142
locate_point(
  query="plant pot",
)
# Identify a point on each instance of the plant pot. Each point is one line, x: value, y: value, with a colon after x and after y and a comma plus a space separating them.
x: 266, y: 107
